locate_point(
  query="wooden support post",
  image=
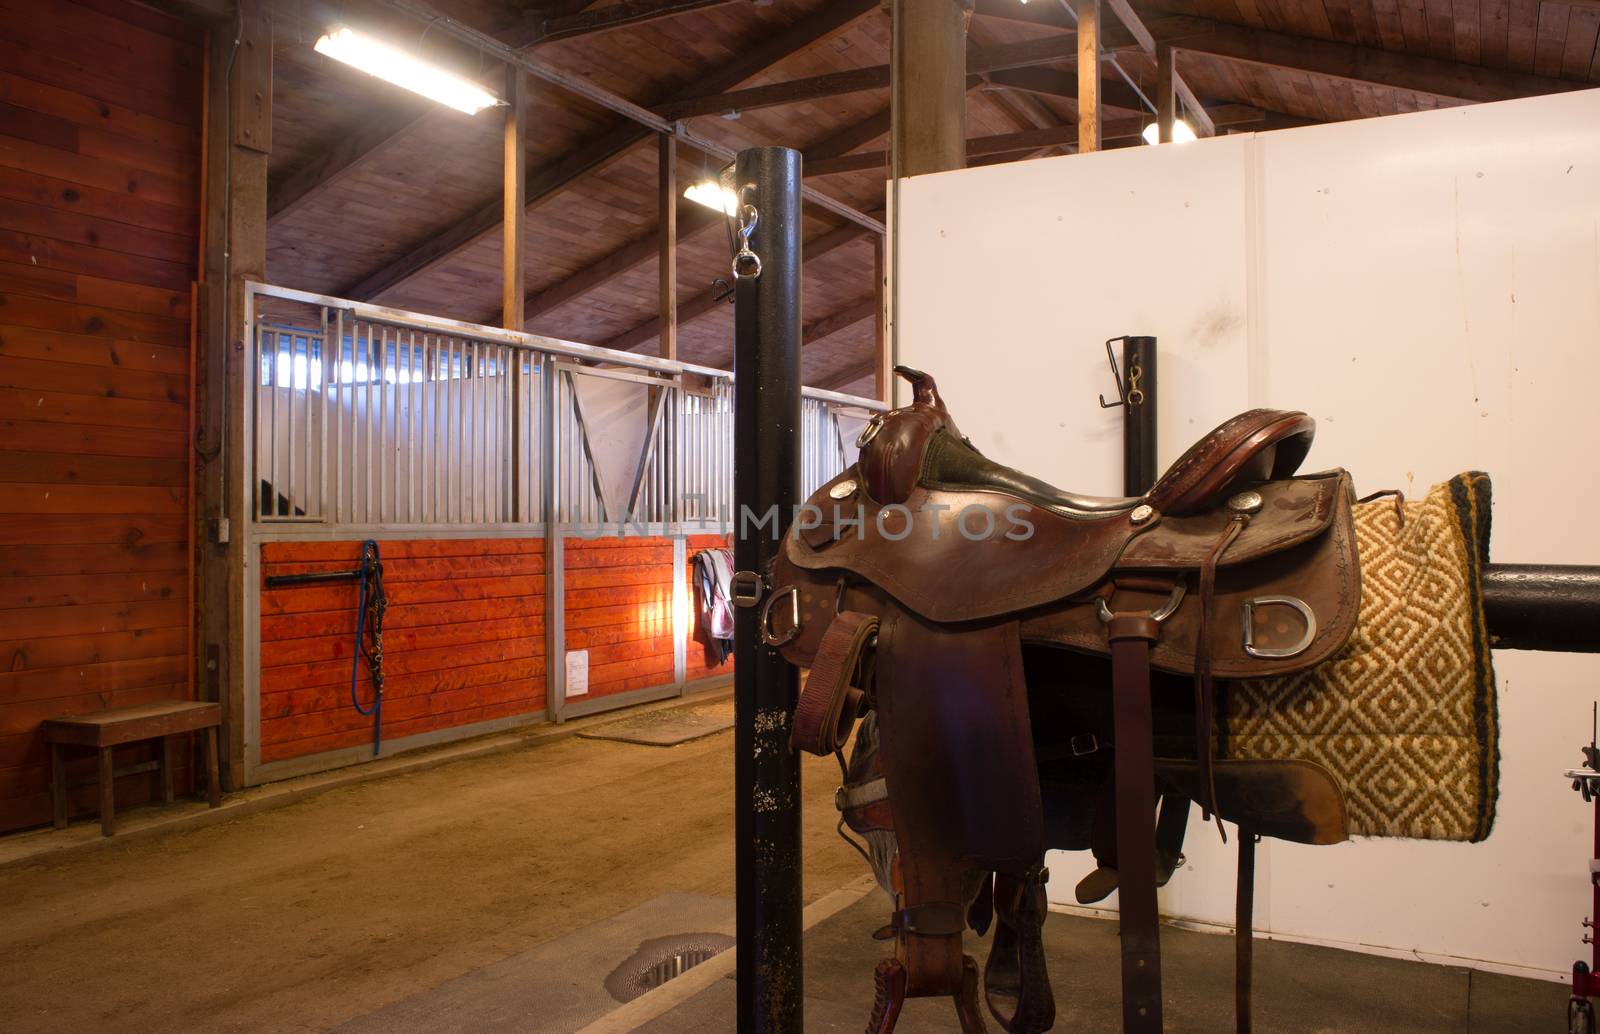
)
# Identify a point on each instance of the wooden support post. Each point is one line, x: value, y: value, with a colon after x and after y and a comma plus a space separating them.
x: 108, y: 793
x: 883, y: 379
x: 513, y: 275
x: 238, y: 139
x: 514, y: 263
x: 667, y: 263
x: 1166, y: 92
x: 168, y: 756
x: 60, y: 800
x: 1088, y: 76
x: 928, y: 86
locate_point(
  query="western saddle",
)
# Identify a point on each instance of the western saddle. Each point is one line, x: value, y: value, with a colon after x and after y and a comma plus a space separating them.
x: 1038, y: 665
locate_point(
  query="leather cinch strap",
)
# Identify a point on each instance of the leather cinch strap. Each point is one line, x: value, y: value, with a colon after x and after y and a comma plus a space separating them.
x: 1132, y: 635
x: 830, y: 703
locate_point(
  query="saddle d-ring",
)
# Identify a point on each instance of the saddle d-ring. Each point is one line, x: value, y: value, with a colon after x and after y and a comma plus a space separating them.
x: 870, y: 431
x: 1293, y: 602
x: 1160, y: 614
x: 764, y: 620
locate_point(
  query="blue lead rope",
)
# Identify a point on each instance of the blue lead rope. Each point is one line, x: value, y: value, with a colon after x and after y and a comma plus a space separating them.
x: 373, y: 600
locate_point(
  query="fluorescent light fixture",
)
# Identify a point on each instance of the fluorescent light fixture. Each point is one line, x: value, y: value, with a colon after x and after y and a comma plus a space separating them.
x: 376, y: 58
x: 1181, y: 133
x: 711, y: 194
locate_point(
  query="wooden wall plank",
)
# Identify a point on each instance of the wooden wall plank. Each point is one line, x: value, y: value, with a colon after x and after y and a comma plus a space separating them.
x: 463, y: 638
x: 99, y: 215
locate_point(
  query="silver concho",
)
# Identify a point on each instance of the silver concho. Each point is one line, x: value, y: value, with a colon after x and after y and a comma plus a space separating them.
x: 1245, y: 502
x: 1141, y: 513
x: 843, y: 490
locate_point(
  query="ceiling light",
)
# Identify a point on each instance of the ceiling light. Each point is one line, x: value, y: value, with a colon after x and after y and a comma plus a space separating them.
x: 711, y: 194
x: 1181, y: 133
x: 396, y: 66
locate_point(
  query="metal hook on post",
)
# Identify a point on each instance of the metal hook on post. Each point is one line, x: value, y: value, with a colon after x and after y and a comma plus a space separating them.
x: 1128, y: 391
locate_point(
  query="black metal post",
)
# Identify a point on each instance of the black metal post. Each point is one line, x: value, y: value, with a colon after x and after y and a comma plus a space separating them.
x: 766, y: 481
x: 1139, y: 415
x: 1553, y: 607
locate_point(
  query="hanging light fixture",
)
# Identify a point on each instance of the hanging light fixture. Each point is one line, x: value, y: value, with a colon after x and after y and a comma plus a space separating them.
x: 376, y: 58
x: 710, y: 193
x: 1181, y: 133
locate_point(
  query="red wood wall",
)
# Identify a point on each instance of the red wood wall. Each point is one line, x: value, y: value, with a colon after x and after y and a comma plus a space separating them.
x: 99, y: 213
x: 463, y: 641
x: 619, y: 607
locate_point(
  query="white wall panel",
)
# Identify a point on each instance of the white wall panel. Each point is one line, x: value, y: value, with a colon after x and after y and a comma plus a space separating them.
x: 1428, y: 287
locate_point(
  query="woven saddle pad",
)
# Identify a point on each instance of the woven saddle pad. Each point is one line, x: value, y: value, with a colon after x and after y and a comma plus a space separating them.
x: 1405, y: 715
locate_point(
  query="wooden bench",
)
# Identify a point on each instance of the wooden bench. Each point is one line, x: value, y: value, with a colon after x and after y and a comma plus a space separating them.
x: 105, y: 730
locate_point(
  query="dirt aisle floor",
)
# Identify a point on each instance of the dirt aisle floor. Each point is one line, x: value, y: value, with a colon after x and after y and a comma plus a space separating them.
x: 301, y: 918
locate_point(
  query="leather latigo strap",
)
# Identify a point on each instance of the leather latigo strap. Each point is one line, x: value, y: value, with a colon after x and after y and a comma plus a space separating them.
x: 831, y: 701
x: 1131, y: 635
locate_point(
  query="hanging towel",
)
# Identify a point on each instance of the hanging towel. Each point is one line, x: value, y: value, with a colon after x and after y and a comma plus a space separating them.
x: 713, y: 576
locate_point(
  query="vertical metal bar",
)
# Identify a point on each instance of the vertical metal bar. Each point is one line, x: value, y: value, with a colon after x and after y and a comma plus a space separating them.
x: 270, y: 505
x: 458, y: 369
x: 352, y: 450
x: 392, y: 389
x: 1139, y: 416
x: 384, y: 440
x: 479, y: 465
x: 413, y: 441
x: 322, y: 362
x: 310, y: 420
x: 370, y: 453
x: 436, y: 431
x: 338, y: 416
x: 287, y: 489
x: 766, y: 475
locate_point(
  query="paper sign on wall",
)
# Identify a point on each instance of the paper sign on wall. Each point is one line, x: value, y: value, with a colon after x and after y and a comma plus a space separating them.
x: 577, y: 673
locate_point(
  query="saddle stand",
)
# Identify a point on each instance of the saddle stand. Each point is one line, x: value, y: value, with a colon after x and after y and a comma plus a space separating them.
x: 927, y: 586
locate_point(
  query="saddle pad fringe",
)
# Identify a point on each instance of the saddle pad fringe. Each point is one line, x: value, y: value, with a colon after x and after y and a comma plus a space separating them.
x: 1405, y: 715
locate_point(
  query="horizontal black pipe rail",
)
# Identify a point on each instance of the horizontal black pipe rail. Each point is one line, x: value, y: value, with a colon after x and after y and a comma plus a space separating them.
x: 1550, y: 607
x: 284, y: 581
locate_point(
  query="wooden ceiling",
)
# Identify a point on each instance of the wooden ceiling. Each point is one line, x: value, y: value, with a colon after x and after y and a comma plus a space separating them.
x: 380, y: 196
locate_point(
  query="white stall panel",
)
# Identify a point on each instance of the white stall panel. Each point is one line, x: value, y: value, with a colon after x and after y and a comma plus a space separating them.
x: 1428, y: 287
x: 1432, y: 296
x: 1013, y: 276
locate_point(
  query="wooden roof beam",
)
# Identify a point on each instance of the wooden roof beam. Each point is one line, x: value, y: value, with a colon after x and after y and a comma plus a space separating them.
x: 1050, y: 82
x: 619, y: 15
x: 847, y: 376
x: 980, y: 61
x: 631, y: 255
x: 835, y: 322
x: 549, y: 179
x: 1448, y: 80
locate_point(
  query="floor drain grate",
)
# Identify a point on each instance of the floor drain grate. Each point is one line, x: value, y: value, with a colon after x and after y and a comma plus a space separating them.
x: 661, y: 960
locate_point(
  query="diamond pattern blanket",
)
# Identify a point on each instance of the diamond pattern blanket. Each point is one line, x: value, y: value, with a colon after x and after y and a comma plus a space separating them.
x: 1405, y: 715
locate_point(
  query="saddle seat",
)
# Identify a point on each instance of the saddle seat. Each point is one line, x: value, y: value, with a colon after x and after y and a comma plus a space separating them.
x: 1257, y: 445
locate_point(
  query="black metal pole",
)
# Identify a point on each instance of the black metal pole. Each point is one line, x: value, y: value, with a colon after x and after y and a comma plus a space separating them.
x: 1554, y: 607
x: 766, y: 480
x: 1139, y: 415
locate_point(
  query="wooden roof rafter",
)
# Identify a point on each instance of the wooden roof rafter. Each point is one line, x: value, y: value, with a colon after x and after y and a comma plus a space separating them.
x: 547, y: 180
x: 642, y: 249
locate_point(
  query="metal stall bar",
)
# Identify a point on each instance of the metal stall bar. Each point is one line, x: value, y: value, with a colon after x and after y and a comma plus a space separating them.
x: 766, y: 475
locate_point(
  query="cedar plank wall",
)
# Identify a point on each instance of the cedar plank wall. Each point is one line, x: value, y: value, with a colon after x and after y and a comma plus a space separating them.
x: 99, y: 213
x: 619, y: 608
x: 463, y: 641
x: 700, y: 662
